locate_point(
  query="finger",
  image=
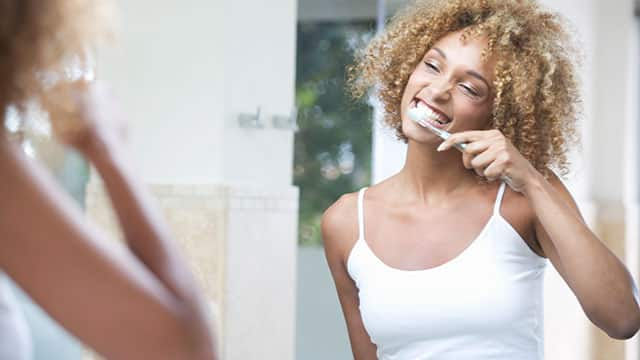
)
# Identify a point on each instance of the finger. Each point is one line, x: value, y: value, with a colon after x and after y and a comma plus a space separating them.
x: 484, y: 159
x: 466, y: 160
x: 477, y: 147
x: 465, y: 137
x: 478, y: 171
x: 494, y: 171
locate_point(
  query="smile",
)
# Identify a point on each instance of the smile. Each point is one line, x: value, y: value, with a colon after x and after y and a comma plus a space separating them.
x: 435, y: 118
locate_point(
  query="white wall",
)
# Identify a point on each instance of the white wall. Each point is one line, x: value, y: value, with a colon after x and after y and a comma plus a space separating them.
x: 259, y: 71
x: 185, y: 70
x: 167, y: 71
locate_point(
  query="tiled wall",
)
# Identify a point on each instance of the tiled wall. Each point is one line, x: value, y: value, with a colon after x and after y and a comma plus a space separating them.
x: 241, y: 246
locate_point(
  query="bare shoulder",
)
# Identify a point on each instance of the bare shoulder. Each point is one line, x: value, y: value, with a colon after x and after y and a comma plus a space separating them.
x: 562, y: 192
x: 559, y: 186
x: 339, y: 225
x: 520, y: 214
x: 518, y: 203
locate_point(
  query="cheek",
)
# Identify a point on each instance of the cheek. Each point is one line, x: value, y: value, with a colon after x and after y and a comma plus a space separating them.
x: 472, y: 115
x: 416, y: 82
x: 410, y: 88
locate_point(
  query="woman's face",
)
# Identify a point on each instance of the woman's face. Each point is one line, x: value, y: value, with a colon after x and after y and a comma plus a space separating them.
x: 455, y: 83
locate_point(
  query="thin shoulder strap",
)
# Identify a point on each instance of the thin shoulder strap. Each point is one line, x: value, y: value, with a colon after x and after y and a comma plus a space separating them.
x: 496, y: 206
x: 361, y: 212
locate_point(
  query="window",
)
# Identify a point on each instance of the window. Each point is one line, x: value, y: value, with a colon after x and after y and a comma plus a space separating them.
x: 333, y: 143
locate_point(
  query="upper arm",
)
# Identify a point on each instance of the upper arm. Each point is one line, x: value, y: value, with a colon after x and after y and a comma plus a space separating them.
x: 541, y: 234
x: 62, y: 262
x: 339, y: 232
x: 598, y: 278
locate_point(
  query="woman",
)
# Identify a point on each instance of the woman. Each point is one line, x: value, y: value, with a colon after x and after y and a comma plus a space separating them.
x: 138, y: 304
x: 443, y: 260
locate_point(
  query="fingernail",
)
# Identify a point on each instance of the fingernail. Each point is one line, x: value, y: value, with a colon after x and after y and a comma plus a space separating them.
x: 440, y: 147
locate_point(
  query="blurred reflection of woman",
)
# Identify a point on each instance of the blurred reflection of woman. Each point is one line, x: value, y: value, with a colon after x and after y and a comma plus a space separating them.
x: 137, y: 304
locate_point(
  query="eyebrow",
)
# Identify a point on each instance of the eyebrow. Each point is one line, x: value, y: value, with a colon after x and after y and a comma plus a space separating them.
x: 473, y: 73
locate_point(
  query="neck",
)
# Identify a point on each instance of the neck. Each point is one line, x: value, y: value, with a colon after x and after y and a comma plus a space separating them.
x: 432, y: 176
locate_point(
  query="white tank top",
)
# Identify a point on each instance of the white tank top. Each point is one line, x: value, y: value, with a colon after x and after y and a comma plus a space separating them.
x: 15, y: 337
x: 486, y: 303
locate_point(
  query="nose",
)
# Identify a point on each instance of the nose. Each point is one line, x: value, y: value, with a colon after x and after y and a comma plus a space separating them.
x: 439, y: 90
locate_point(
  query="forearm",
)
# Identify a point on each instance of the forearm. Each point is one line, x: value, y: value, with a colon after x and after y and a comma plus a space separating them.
x: 46, y: 241
x: 599, y: 279
x: 142, y: 225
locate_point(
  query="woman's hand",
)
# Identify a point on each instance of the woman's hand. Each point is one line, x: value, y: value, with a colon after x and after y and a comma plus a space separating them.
x: 491, y: 155
x: 85, y: 116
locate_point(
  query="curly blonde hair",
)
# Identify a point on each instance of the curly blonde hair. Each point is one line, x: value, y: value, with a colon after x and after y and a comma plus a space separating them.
x: 40, y: 37
x: 536, y: 91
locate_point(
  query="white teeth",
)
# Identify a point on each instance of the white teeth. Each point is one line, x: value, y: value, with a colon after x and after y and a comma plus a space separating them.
x: 422, y: 111
x: 417, y: 114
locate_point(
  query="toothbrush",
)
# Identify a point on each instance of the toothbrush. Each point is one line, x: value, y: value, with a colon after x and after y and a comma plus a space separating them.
x: 419, y: 116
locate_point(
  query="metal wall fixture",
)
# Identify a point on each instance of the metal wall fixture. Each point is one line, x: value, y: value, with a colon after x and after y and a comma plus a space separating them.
x: 277, y: 121
x: 251, y: 121
x: 286, y: 122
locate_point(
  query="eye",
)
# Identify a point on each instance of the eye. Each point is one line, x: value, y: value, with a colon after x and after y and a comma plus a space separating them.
x: 431, y: 66
x: 469, y: 90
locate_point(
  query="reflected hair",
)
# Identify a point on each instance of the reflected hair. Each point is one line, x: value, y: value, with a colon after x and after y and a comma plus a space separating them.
x: 40, y: 37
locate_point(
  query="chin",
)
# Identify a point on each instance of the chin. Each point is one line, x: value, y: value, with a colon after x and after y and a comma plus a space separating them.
x: 418, y: 134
